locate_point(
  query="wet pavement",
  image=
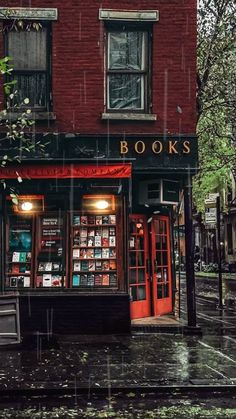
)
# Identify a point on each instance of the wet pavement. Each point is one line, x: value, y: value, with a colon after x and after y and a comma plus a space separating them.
x: 144, y: 375
x: 136, y: 361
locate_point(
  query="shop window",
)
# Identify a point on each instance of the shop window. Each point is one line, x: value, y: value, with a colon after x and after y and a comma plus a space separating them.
x: 127, y: 69
x: 29, y: 47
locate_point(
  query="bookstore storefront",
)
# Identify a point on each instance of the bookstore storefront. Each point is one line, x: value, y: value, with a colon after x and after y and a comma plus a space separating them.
x: 69, y: 242
x: 88, y: 246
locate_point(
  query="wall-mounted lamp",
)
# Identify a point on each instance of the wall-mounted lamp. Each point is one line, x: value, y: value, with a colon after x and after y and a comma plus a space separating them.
x: 101, y: 204
x: 27, y: 204
x: 96, y: 203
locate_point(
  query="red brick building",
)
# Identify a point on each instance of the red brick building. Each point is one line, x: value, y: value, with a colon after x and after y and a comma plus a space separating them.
x: 112, y: 93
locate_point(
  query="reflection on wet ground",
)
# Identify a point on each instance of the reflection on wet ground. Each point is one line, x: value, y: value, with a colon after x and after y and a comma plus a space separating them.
x: 133, y: 361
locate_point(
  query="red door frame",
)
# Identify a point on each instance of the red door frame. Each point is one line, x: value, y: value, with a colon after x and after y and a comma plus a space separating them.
x: 161, y: 266
x: 139, y: 308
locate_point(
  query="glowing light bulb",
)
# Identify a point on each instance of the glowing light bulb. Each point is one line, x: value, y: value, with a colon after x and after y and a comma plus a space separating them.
x: 26, y: 206
x: 101, y: 204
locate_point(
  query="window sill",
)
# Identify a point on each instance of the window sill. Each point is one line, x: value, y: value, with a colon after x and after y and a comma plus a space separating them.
x: 129, y: 116
x: 33, y: 116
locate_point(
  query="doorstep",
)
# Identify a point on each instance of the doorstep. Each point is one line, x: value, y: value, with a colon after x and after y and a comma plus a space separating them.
x: 158, y: 324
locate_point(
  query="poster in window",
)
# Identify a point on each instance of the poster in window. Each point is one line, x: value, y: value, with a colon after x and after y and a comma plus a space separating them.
x: 20, y: 240
x: 50, y: 221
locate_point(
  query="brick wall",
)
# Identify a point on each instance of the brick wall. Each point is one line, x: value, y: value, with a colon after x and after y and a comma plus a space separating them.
x: 78, y: 73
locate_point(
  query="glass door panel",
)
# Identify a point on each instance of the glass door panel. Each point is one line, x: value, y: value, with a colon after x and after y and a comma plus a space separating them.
x: 138, y: 261
x: 161, y: 265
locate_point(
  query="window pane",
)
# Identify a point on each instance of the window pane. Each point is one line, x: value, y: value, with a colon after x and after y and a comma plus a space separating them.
x: 133, y: 292
x: 32, y: 86
x: 132, y: 258
x: 28, y: 49
x: 126, y: 51
x: 132, y: 276
x: 141, y: 292
x: 125, y: 91
x: 140, y: 258
x: 141, y: 275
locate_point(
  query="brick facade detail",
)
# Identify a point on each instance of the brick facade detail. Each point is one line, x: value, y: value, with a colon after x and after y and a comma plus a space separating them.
x: 78, y: 66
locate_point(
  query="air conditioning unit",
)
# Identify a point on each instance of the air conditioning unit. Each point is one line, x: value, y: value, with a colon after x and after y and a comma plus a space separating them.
x: 159, y: 191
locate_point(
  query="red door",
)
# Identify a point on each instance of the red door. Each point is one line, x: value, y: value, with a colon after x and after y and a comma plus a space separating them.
x: 161, y: 265
x: 139, y: 284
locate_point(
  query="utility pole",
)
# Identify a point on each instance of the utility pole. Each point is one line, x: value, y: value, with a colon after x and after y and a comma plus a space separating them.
x: 220, y: 305
x: 190, y: 275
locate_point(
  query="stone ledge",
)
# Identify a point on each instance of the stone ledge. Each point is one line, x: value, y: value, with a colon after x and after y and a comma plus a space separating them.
x: 38, y: 13
x: 33, y: 116
x: 119, y: 116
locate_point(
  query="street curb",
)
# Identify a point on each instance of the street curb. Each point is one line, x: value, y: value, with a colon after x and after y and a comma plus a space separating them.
x: 124, y: 391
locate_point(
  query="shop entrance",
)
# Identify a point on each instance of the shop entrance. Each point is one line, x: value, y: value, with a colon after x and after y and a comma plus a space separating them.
x: 150, y: 266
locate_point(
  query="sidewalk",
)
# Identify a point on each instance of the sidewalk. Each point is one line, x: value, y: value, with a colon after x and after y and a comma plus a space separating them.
x: 120, y: 362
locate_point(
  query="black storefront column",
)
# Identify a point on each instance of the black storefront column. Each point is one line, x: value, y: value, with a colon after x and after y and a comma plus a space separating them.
x: 189, y: 249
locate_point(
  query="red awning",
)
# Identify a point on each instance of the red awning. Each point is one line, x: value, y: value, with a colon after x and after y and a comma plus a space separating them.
x: 67, y: 171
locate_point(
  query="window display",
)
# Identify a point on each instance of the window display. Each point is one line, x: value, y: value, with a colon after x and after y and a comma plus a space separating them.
x: 19, y: 252
x: 50, y: 258
x: 93, y: 256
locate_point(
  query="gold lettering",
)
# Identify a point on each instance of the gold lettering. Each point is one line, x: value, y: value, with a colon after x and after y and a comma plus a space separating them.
x: 136, y: 147
x: 124, y: 147
x: 157, y: 147
x: 172, y: 147
x: 186, y: 149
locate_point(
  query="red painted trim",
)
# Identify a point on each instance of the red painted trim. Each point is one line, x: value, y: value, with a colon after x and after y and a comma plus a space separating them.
x: 67, y: 171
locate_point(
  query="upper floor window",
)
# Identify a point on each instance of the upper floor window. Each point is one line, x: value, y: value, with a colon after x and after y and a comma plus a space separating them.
x: 127, y: 69
x: 30, y: 53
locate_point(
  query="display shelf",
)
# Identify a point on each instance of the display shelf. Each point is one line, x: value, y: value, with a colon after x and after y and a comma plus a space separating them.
x: 93, y: 250
x: 19, y: 261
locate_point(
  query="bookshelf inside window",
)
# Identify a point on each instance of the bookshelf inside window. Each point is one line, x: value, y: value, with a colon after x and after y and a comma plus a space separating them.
x: 50, y: 262
x: 19, y: 260
x: 94, y: 250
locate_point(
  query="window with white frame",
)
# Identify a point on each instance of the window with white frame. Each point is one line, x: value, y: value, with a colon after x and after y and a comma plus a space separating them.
x: 127, y: 69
